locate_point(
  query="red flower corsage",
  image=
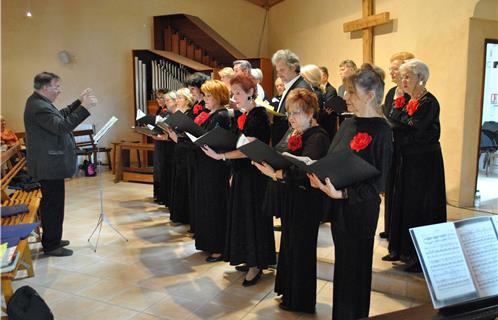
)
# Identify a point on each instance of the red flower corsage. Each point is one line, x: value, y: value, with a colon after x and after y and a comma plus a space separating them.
x: 295, y: 142
x: 200, y: 119
x: 197, y: 108
x: 399, y: 102
x: 411, y: 107
x: 241, y: 121
x: 360, y: 141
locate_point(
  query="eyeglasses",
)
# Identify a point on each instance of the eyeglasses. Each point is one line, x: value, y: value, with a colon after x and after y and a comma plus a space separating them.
x: 293, y: 113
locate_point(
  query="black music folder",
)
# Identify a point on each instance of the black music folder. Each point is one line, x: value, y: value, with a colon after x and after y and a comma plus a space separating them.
x: 218, y: 139
x: 179, y: 121
x: 343, y: 168
x: 337, y: 104
x: 259, y: 151
x: 149, y: 132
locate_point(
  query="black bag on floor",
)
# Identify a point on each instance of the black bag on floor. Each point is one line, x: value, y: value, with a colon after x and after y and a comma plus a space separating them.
x: 26, y: 304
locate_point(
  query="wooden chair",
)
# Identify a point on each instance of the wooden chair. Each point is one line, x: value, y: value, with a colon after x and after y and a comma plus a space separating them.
x: 86, y: 146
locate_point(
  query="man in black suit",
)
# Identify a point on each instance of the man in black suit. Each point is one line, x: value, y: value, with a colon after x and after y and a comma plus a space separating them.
x: 287, y: 67
x: 51, y: 154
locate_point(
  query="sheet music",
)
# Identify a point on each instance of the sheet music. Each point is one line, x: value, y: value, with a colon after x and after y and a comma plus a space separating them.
x: 494, y: 219
x: 242, y: 141
x: 191, y: 137
x: 480, y: 245
x: 151, y: 127
x: 102, y: 132
x: 445, y: 267
x: 160, y: 119
x: 140, y: 114
x: 306, y: 160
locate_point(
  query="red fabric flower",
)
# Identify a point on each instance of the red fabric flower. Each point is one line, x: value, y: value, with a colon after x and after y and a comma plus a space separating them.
x: 412, y: 106
x: 241, y: 121
x: 360, y: 141
x: 197, y: 108
x: 399, y: 102
x: 200, y: 119
x: 295, y: 142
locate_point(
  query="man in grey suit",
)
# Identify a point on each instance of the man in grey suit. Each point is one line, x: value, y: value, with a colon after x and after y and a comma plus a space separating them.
x: 51, y: 154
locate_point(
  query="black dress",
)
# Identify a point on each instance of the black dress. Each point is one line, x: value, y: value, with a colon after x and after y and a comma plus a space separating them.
x: 296, y: 269
x: 419, y: 193
x: 354, y: 219
x: 211, y: 180
x: 388, y: 198
x: 192, y: 162
x: 163, y: 163
x: 180, y: 197
x: 250, y: 237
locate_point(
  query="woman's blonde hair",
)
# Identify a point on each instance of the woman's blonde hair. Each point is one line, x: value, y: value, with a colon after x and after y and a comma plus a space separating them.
x: 312, y: 75
x: 402, y: 56
x: 185, y: 92
x: 226, y: 72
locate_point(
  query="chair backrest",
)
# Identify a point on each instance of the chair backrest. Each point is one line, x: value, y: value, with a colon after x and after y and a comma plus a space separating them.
x: 84, y: 138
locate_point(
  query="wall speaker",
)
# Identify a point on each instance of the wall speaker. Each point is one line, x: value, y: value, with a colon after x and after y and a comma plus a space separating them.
x: 64, y: 57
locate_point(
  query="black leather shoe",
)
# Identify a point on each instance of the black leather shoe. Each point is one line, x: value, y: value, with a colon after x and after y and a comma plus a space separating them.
x: 213, y: 259
x: 64, y: 243
x: 242, y: 268
x: 384, y: 235
x: 283, y: 306
x: 414, y: 267
x: 390, y: 257
x: 59, y: 252
x: 253, y: 281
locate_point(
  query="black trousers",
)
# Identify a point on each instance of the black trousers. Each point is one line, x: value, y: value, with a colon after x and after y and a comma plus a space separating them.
x: 52, y: 213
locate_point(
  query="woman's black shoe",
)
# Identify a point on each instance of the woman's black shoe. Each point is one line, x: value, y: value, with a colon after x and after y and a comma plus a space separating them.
x: 414, y: 267
x: 390, y: 257
x: 253, y: 281
x: 283, y: 306
x: 214, y: 259
x: 242, y: 268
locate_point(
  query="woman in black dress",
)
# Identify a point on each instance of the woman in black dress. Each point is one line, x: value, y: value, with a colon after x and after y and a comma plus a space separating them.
x: 250, y: 239
x: 356, y: 208
x: 163, y: 150
x: 194, y: 83
x: 395, y: 98
x: 180, y: 208
x: 212, y: 176
x: 296, y: 269
x: 419, y: 188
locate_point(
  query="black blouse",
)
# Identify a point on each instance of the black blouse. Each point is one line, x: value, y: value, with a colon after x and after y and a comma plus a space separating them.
x: 219, y: 118
x: 389, y: 102
x: 378, y: 153
x: 315, y: 142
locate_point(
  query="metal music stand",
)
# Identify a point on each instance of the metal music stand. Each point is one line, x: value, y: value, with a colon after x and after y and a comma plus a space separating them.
x: 102, y: 217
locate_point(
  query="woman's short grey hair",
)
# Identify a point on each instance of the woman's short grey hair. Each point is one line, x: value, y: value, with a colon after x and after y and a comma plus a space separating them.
x: 257, y: 74
x: 171, y: 95
x: 291, y: 59
x: 185, y: 92
x: 418, y: 67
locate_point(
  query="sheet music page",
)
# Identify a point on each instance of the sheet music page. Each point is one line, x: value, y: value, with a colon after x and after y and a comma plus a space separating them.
x: 306, y: 160
x: 242, y: 141
x: 444, y: 264
x: 151, y: 127
x: 140, y: 114
x: 480, y: 245
x: 160, y: 119
x: 494, y: 219
x: 191, y: 136
x: 104, y: 129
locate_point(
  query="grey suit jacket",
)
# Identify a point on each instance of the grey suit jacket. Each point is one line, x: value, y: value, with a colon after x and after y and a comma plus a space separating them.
x: 50, y: 148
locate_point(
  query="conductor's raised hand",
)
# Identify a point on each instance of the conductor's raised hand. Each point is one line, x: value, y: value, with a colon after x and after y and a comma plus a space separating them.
x: 85, y: 92
x: 89, y: 100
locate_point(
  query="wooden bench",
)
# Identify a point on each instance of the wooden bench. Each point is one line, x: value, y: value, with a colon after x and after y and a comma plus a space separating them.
x: 12, y: 162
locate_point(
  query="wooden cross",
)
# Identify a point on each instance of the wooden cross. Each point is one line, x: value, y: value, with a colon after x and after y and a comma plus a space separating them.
x: 367, y: 23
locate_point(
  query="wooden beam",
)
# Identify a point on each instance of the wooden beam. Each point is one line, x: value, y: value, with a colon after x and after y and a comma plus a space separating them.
x: 367, y: 10
x: 363, y: 23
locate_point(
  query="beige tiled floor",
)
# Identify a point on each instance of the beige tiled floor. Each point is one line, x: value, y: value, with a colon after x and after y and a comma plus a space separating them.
x: 157, y: 273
